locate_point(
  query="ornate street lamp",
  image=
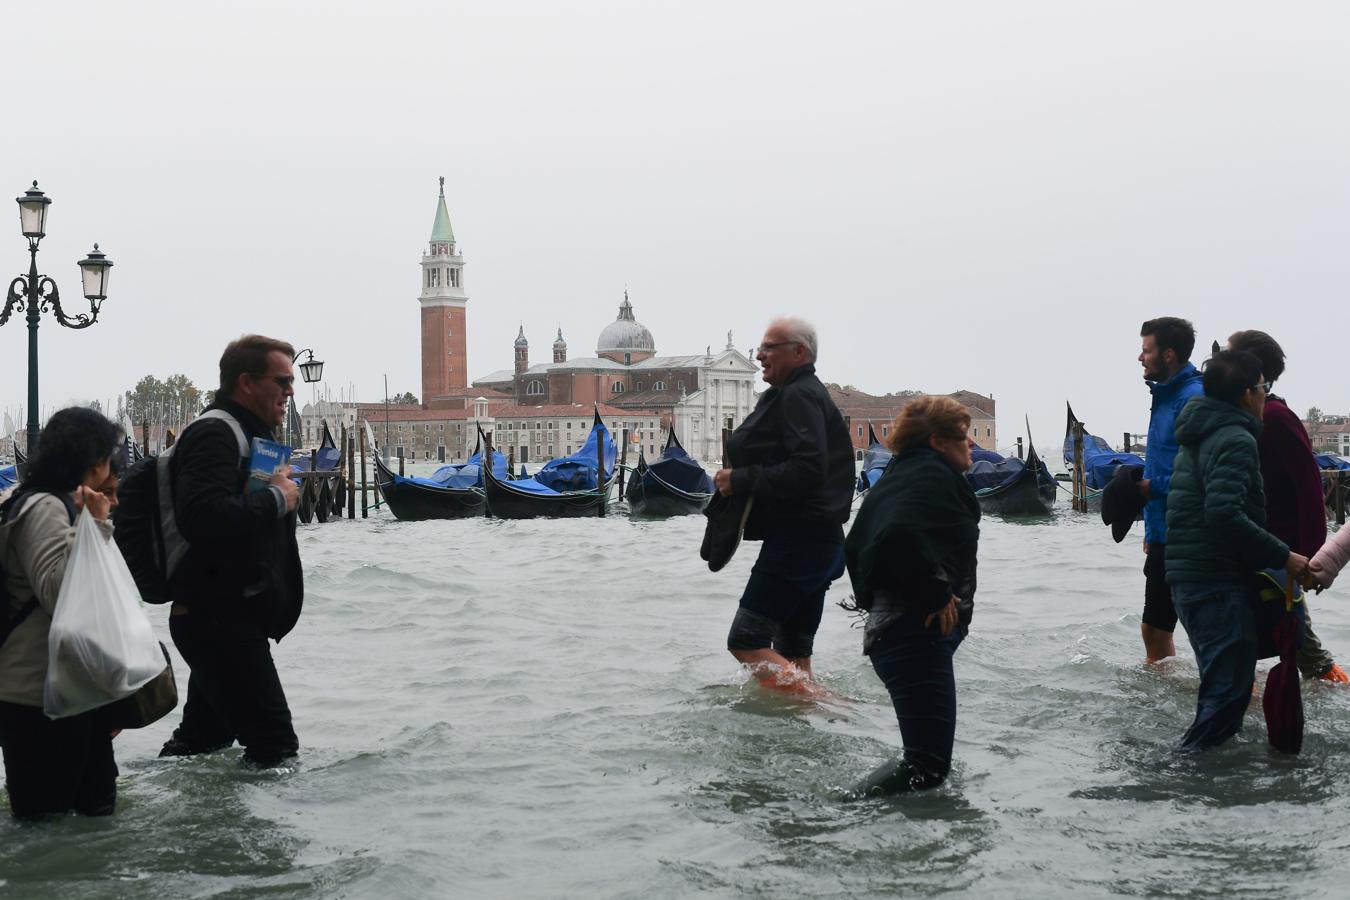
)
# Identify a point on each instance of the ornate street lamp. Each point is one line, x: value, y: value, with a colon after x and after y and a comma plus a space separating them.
x: 311, y: 370
x: 35, y: 294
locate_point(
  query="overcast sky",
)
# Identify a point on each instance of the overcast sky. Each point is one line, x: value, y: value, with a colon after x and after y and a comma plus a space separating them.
x: 988, y: 196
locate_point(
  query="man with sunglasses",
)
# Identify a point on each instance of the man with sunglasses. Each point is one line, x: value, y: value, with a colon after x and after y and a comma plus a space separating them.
x: 240, y: 582
x: 793, y: 457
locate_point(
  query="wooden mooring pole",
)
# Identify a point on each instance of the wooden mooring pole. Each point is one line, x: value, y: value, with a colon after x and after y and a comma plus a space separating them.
x: 623, y: 462
x: 1338, y: 497
x: 600, y: 473
x: 1080, y: 503
x: 365, y: 503
x: 351, y: 477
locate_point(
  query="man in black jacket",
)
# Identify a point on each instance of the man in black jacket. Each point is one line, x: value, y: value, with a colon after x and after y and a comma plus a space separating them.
x: 240, y: 581
x: 792, y: 456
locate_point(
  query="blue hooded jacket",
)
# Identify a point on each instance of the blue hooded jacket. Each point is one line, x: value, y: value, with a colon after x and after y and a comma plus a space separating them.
x: 1168, y: 399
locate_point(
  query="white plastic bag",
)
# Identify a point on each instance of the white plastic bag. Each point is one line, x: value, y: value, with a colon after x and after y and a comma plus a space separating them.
x: 101, y: 646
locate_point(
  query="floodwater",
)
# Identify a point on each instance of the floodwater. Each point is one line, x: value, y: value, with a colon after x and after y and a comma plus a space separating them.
x: 545, y: 709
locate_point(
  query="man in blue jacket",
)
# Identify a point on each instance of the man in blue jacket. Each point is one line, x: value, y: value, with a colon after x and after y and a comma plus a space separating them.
x: 1165, y: 356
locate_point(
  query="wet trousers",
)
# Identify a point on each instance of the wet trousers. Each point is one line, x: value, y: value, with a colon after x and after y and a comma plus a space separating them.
x: 55, y: 766
x: 915, y: 664
x: 1221, y: 625
x: 233, y: 693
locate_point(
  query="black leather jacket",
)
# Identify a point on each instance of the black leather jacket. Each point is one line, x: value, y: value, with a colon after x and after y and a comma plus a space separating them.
x: 242, y: 557
x: 793, y: 455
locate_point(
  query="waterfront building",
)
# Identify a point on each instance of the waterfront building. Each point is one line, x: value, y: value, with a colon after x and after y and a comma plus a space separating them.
x: 861, y: 409
x: 1330, y: 434
x: 696, y: 394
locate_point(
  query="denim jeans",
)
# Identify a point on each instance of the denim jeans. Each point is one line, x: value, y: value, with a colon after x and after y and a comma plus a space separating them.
x: 915, y: 664
x: 1221, y: 625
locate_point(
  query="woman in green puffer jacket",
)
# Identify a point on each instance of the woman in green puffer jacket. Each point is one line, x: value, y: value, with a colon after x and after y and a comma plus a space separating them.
x: 1216, y: 542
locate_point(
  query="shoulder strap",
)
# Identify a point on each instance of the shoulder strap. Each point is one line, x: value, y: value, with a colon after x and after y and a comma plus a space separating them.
x: 175, y: 545
x: 12, y: 507
x: 229, y: 420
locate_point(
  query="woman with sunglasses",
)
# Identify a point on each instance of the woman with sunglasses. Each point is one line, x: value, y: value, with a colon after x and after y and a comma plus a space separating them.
x: 1216, y: 540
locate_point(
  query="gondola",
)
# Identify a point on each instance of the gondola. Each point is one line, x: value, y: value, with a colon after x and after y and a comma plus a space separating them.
x: 9, y: 476
x: 452, y: 492
x: 563, y: 488
x: 875, y: 460
x: 1099, y: 460
x: 328, y: 455
x: 675, y: 484
x: 1009, y: 486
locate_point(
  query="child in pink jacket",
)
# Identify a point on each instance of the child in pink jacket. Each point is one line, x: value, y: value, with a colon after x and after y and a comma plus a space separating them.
x: 1327, y: 563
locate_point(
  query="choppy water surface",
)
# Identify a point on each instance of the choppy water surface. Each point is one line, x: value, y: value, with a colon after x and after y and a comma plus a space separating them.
x: 543, y: 709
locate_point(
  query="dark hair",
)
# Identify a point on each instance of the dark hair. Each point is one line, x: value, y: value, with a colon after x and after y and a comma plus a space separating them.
x: 247, y: 356
x: 1265, y: 348
x: 1171, y: 333
x: 74, y: 440
x: 1231, y: 373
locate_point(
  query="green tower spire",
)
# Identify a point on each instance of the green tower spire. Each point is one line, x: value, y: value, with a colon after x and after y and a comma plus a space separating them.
x: 441, y: 230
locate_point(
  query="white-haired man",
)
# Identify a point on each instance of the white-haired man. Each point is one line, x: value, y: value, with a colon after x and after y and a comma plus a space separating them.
x: 793, y: 456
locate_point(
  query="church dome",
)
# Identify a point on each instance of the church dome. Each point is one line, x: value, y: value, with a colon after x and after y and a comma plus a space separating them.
x: 625, y: 334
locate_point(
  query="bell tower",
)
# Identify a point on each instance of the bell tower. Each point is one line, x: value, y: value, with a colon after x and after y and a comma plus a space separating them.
x: 443, y: 301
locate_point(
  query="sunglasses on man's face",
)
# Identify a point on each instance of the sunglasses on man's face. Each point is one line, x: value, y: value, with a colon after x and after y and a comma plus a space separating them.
x: 282, y: 381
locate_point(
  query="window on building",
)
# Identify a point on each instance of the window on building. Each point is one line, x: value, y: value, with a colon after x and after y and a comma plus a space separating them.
x: 616, y: 387
x: 637, y: 385
x: 628, y: 359
x: 534, y: 388
x: 449, y: 334
x: 679, y: 385
x: 859, y: 431
x: 885, y: 430
x: 659, y: 386
x: 435, y: 277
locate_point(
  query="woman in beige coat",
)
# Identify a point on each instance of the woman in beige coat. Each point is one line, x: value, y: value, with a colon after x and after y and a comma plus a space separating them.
x: 52, y: 766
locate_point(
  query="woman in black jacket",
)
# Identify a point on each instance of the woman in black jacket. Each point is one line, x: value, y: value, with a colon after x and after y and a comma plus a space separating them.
x: 911, y: 558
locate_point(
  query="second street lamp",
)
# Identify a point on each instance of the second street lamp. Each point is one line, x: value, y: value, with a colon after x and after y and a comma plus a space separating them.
x: 35, y: 294
x: 311, y: 370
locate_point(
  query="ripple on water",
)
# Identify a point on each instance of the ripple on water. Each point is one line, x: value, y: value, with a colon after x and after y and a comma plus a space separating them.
x: 542, y: 709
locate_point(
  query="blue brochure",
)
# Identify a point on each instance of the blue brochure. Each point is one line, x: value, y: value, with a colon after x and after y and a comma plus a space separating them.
x: 267, y: 457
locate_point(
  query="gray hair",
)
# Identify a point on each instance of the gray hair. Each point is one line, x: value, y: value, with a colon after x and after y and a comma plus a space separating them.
x: 799, y: 331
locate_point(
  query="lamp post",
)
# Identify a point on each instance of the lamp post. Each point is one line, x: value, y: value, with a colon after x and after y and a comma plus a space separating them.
x: 311, y: 370
x: 35, y: 294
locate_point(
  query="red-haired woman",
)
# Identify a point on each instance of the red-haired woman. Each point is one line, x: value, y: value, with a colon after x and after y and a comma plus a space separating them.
x: 911, y: 558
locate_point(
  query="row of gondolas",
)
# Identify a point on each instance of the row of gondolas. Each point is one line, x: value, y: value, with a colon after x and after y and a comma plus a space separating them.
x: 570, y: 487
x: 677, y: 484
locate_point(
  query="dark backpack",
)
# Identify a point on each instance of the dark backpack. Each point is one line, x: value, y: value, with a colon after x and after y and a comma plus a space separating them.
x: 8, y: 510
x: 146, y: 530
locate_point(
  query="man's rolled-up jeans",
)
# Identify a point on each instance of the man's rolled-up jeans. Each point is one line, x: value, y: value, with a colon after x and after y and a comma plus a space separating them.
x: 1221, y: 626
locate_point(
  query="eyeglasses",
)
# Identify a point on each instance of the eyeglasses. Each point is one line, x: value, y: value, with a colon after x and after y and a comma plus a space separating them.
x: 1265, y: 386
x: 282, y: 381
x: 776, y: 345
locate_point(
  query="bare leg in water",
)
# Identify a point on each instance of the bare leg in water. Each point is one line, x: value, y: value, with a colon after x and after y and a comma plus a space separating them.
x: 773, y: 670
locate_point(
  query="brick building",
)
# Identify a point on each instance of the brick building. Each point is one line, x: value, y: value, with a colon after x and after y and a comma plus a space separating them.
x: 862, y: 409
